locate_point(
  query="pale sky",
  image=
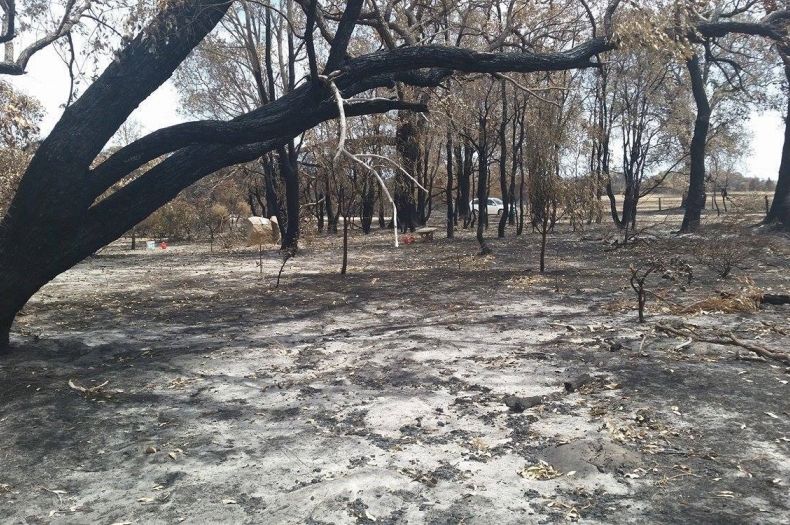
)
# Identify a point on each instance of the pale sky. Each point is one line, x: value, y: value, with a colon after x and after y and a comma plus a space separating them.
x: 47, y: 80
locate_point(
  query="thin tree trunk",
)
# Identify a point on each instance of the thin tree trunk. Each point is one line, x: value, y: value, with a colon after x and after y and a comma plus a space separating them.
x: 544, y: 234
x: 482, y: 186
x: 503, y: 164
x: 464, y: 180
x: 382, y: 220
x: 449, y: 190
x: 345, y: 233
x: 331, y: 217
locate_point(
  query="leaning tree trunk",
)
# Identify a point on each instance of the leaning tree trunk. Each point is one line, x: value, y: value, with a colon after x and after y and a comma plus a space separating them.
x: 695, y: 201
x: 47, y: 228
x: 779, y: 213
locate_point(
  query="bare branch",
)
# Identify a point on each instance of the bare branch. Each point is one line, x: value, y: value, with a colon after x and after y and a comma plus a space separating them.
x: 309, y: 44
x: 9, y: 29
x: 342, y: 38
x: 70, y: 18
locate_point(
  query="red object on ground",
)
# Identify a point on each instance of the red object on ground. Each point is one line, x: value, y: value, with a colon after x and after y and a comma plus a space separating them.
x: 406, y: 239
x: 163, y: 245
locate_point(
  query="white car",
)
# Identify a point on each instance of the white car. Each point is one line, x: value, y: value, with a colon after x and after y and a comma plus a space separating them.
x: 494, y: 206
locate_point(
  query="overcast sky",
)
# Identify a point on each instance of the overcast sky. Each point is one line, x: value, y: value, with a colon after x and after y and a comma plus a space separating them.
x: 47, y: 80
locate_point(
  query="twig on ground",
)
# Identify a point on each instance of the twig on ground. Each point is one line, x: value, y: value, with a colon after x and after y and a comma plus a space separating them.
x: 87, y: 390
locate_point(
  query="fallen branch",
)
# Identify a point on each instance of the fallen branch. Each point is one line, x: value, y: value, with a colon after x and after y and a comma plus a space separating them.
x: 762, y: 351
x: 749, y: 357
x: 729, y: 339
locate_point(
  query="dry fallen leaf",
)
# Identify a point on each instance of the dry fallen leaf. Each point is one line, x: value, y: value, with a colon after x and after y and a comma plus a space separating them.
x: 541, y: 471
x: 145, y: 499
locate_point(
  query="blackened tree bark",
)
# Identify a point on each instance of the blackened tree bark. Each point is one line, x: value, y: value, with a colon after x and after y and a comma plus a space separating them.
x: 408, y: 148
x: 503, y: 182
x: 382, y: 220
x: 44, y: 232
x: 449, y: 190
x: 319, y: 198
x: 272, y: 208
x: 290, y: 175
x: 603, y: 118
x: 695, y: 201
x: 463, y: 156
x: 522, y: 185
x: 517, y: 141
x: 779, y: 213
x: 331, y: 216
x: 482, y: 181
x: 368, y: 196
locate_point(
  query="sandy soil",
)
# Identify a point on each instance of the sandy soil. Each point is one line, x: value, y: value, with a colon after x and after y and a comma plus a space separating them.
x: 383, y: 396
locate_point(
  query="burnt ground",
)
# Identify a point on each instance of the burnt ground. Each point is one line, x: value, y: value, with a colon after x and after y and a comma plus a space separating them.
x: 379, y: 397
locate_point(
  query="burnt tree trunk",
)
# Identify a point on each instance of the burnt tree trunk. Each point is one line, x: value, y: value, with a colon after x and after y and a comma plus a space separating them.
x: 695, y: 200
x: 407, y: 145
x: 482, y: 183
x: 464, y: 160
x: 368, y: 202
x: 503, y: 186
x: 382, y: 220
x: 544, y: 236
x: 46, y: 231
x: 288, y: 172
x: 331, y: 216
x: 272, y: 195
x: 779, y: 213
x: 449, y: 189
